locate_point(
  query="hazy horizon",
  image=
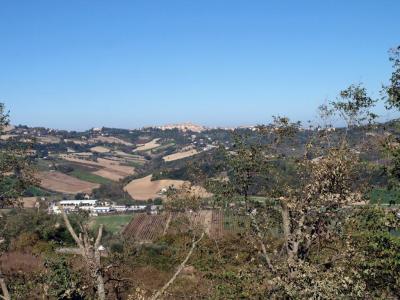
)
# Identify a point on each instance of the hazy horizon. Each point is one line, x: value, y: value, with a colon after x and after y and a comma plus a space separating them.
x: 80, y: 65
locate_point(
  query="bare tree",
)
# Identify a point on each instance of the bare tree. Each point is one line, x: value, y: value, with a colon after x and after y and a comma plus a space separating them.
x: 90, y: 253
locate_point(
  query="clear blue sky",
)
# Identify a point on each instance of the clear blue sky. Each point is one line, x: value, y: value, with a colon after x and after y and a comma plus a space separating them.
x: 78, y: 64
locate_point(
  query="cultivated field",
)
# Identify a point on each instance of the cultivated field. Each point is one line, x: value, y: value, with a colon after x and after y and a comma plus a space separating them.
x: 180, y: 155
x: 148, y: 146
x: 109, y: 169
x: 59, y: 182
x: 216, y: 223
x: 144, y: 188
x: 109, y: 140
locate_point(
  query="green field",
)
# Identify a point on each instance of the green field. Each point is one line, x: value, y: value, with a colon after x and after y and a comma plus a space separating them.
x: 134, y: 163
x: 86, y: 176
x: 112, y: 223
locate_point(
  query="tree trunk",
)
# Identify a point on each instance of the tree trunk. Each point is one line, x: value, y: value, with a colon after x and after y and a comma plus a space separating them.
x: 4, y: 289
x: 100, y: 286
x: 285, y: 224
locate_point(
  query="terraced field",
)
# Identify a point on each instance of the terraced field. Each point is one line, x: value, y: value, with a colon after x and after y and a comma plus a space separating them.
x: 59, y: 182
x: 180, y: 155
x: 148, y: 146
x: 106, y: 168
x: 110, y: 140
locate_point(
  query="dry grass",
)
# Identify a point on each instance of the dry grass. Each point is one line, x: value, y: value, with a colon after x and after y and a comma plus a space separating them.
x: 29, y: 202
x: 148, y: 146
x: 100, y: 149
x: 59, y: 182
x: 180, y: 155
x: 18, y: 262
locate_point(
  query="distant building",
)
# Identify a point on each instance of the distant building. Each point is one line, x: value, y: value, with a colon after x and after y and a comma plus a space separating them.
x: 94, y: 207
x: 103, y: 209
x: 136, y: 207
x: 72, y: 205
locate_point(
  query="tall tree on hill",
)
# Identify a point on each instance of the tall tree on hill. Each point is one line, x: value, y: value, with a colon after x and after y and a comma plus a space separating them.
x: 16, y: 174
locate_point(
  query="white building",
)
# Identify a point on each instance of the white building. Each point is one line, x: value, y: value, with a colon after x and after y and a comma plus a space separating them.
x: 72, y: 205
x: 136, y: 207
x: 120, y: 208
x: 102, y: 209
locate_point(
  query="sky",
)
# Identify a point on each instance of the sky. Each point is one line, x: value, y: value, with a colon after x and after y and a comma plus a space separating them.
x: 79, y: 64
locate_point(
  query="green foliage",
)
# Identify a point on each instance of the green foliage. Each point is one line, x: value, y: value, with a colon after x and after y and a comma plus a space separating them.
x: 377, y: 250
x: 354, y: 106
x: 393, y: 90
x: 62, y: 282
x: 112, y: 191
x: 31, y: 222
x: 34, y: 191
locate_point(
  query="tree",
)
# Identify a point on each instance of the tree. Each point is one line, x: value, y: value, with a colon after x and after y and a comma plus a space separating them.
x: 90, y: 252
x: 392, y: 91
x: 312, y: 207
x: 16, y: 174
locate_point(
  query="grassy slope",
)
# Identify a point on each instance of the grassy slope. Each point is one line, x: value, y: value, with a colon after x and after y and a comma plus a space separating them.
x: 112, y: 223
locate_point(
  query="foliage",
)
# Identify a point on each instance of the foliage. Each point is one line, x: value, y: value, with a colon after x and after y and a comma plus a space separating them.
x: 32, y: 223
x: 111, y: 191
x: 354, y: 106
x: 393, y: 90
x: 62, y: 282
x: 377, y: 250
x: 16, y: 172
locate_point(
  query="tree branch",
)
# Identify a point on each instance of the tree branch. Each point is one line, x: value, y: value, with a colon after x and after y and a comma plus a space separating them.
x: 263, y: 248
x: 71, y: 230
x: 99, y: 235
x: 179, y: 270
